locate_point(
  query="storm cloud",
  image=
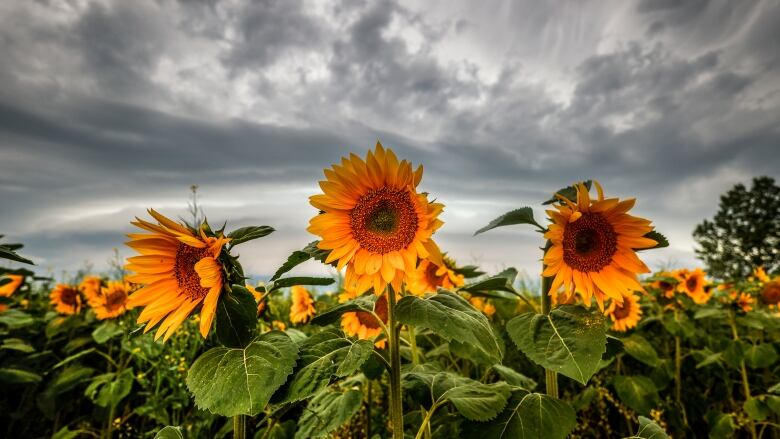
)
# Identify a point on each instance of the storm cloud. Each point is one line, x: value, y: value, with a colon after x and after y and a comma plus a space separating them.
x: 110, y: 107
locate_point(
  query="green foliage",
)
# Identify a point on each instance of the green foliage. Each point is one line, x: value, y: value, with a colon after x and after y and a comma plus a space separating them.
x: 649, y: 430
x: 638, y: 347
x: 570, y: 340
x: 169, y: 432
x: 745, y: 233
x: 233, y: 381
x: 637, y: 392
x: 244, y: 234
x: 327, y: 411
x: 236, y: 319
x: 529, y: 416
x: 524, y: 215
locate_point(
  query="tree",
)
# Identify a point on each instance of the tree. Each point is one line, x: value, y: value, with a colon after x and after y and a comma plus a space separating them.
x: 745, y: 233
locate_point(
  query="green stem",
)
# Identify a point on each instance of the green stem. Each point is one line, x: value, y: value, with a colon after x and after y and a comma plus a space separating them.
x: 413, y: 345
x: 743, y: 372
x: 426, y: 421
x: 550, y: 377
x: 239, y: 427
x: 396, y: 405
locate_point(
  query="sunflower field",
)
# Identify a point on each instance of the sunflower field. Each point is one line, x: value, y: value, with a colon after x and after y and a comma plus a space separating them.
x: 403, y: 341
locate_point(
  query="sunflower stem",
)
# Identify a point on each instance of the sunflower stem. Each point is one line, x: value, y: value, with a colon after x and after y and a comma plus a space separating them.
x: 550, y: 377
x: 743, y: 372
x: 396, y: 405
x: 239, y: 427
x: 413, y: 345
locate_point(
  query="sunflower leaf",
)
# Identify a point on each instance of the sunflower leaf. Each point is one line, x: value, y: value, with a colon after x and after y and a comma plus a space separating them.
x: 570, y: 340
x: 317, y: 253
x: 296, y: 258
x: 292, y: 281
x: 638, y: 392
x: 648, y: 429
x: 528, y: 416
x: 524, y: 215
x: 451, y: 317
x: 332, y: 315
x: 231, y: 381
x: 501, y: 282
x: 236, y: 317
x: 323, y: 356
x: 9, y: 253
x: 638, y: 347
x: 244, y: 234
x: 657, y: 237
x: 327, y: 411
x: 569, y: 192
x: 169, y: 432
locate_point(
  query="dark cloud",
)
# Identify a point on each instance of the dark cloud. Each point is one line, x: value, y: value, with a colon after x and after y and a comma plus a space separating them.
x: 107, y: 108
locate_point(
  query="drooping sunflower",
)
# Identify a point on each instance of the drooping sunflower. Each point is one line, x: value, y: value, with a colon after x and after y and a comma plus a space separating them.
x: 66, y: 299
x: 742, y: 301
x: 16, y: 281
x: 364, y: 325
x: 694, y: 284
x: 593, y: 245
x: 429, y: 277
x: 90, y: 287
x: 770, y: 294
x: 179, y: 270
x: 111, y: 302
x: 666, y: 287
x: 624, y: 315
x: 373, y: 221
x: 302, y: 308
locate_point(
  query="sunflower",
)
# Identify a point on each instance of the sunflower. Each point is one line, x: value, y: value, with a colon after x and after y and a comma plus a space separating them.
x: 624, y: 315
x: 592, y: 247
x: 373, y: 221
x: 664, y: 286
x: 180, y: 271
x: 361, y: 324
x: 483, y: 305
x: 770, y: 293
x: 761, y: 275
x: 302, y: 308
x: 694, y: 284
x: 90, y: 287
x: 258, y: 296
x: 16, y: 281
x: 66, y: 299
x: 429, y: 277
x: 111, y: 302
x: 742, y: 300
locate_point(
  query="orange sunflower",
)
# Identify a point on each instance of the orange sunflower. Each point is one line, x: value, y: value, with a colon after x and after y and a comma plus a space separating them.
x: 429, y: 277
x: 483, y: 305
x: 694, y: 284
x: 770, y: 293
x: 364, y: 325
x: 66, y: 299
x: 664, y: 286
x: 8, y: 289
x: 302, y: 308
x: 592, y: 247
x: 111, y: 302
x: 179, y: 270
x: 90, y: 287
x: 257, y: 295
x: 761, y: 275
x: 373, y: 221
x: 624, y: 315
x: 742, y: 300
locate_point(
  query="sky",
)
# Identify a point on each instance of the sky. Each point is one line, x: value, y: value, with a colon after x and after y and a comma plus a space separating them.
x: 111, y: 107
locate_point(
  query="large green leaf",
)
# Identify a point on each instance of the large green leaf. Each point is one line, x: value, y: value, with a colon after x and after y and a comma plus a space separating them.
x: 637, y: 392
x: 528, y: 416
x: 638, y: 347
x: 169, y: 432
x: 514, y: 378
x: 756, y: 408
x: 15, y: 319
x: 323, y: 355
x: 11, y: 375
x: 296, y: 258
x: 327, y: 411
x: 108, y: 390
x: 17, y: 344
x: 722, y: 426
x: 570, y: 340
x: 236, y: 317
x: 524, y: 215
x: 245, y: 234
x: 7, y: 253
x: 233, y: 381
x: 452, y: 318
x: 503, y: 281
x: 649, y: 430
x: 106, y: 331
x: 333, y: 314
x: 292, y: 281
x: 760, y: 355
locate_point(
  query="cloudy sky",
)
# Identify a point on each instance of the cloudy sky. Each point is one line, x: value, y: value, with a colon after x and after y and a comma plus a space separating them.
x: 107, y: 108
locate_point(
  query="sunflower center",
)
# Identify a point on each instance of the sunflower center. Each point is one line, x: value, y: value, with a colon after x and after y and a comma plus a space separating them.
x: 622, y: 311
x: 380, y: 309
x: 69, y: 296
x: 691, y: 283
x: 384, y: 220
x: 589, y: 243
x: 431, y: 277
x: 184, y: 271
x: 115, y: 299
x: 665, y: 286
x: 771, y: 293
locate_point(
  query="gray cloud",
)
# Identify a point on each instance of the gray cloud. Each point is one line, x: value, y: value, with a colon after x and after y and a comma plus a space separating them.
x: 106, y: 109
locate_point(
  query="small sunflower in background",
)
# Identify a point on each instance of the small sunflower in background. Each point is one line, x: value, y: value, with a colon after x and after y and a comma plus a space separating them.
x: 761, y: 275
x: 429, y: 277
x: 770, y: 294
x: 624, y: 315
x: 90, y: 287
x: 14, y: 282
x: 66, y: 299
x: 483, y: 305
x: 694, y: 284
x: 373, y: 221
x: 302, y: 307
x: 665, y: 285
x: 259, y: 299
x: 743, y: 301
x: 111, y: 302
x: 361, y: 324
x: 180, y: 271
x: 593, y: 247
